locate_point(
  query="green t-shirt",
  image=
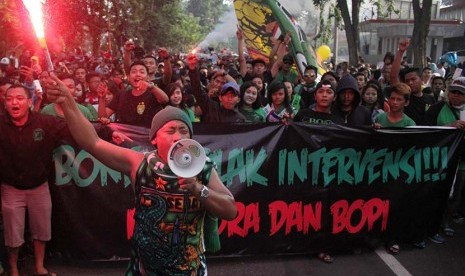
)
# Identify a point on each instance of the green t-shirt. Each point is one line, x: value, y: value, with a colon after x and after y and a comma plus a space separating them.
x: 383, y: 120
x: 447, y: 115
x: 50, y: 110
x: 291, y: 76
x: 254, y: 115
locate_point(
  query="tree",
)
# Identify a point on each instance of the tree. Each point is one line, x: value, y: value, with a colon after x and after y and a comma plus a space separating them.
x: 422, y: 19
x: 14, y: 35
x: 351, y: 21
x: 351, y: 24
x: 90, y: 24
x: 171, y: 27
x: 208, y: 13
x: 350, y: 18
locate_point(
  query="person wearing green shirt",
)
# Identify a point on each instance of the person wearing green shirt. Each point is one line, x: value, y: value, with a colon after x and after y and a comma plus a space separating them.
x: 56, y: 110
x: 398, y: 100
x: 176, y: 98
x: 250, y: 104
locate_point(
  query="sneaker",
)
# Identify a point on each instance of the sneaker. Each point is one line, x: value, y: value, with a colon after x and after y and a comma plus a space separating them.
x: 420, y: 244
x: 449, y: 232
x: 437, y: 238
x: 458, y: 218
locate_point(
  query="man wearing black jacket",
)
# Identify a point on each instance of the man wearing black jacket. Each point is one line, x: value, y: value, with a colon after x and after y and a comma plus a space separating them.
x: 348, y: 105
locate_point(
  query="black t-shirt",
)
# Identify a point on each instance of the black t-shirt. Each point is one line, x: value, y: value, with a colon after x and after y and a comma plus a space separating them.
x: 135, y: 110
x: 307, y: 93
x: 310, y: 116
x: 267, y: 77
x: 418, y: 107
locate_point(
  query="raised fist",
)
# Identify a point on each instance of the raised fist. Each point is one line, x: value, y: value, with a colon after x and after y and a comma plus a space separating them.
x: 163, y: 53
x: 129, y: 45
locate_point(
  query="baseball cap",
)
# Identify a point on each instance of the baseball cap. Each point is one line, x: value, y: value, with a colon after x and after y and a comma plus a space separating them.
x: 233, y: 72
x: 230, y: 86
x: 325, y: 84
x: 258, y: 60
x: 458, y: 85
x: 5, y: 61
x: 288, y: 58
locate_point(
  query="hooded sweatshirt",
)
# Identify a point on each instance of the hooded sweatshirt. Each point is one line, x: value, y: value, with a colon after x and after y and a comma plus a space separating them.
x: 359, y: 115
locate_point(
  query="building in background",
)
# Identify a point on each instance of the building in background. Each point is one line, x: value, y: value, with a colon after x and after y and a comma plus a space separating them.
x: 381, y: 35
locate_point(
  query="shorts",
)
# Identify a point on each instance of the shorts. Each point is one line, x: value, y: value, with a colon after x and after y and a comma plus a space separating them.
x: 39, y: 205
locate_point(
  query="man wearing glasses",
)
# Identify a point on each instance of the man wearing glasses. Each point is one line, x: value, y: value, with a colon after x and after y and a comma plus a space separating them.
x: 283, y: 71
x: 307, y: 88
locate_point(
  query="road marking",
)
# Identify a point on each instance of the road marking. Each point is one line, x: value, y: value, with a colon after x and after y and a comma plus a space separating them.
x: 392, y: 263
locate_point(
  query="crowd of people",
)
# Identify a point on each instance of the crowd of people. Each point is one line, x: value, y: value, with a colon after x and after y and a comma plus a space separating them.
x: 156, y: 89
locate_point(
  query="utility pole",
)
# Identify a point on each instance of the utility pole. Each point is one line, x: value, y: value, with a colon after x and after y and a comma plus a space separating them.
x: 336, y: 41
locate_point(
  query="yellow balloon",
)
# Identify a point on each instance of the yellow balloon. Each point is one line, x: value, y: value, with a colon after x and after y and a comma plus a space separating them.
x: 324, y: 52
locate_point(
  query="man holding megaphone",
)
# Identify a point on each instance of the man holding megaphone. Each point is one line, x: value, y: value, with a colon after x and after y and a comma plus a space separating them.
x: 173, y: 214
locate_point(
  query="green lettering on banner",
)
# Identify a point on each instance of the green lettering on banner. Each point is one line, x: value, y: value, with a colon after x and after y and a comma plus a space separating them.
x: 296, y: 167
x: 282, y: 166
x: 246, y: 168
x: 406, y: 167
x: 360, y: 165
x: 217, y: 157
x: 417, y: 164
x: 345, y: 164
x: 391, y: 165
x: 375, y: 159
x: 435, y: 151
x: 355, y: 167
x: 315, y: 158
x: 329, y: 162
x: 235, y: 167
x: 252, y: 167
x: 71, y: 167
x: 444, y: 155
x: 426, y: 160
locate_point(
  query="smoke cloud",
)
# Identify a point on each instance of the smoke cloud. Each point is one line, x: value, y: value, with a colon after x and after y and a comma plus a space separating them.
x: 223, y: 30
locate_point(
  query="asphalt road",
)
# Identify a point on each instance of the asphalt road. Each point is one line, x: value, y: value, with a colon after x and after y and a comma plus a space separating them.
x: 435, y: 259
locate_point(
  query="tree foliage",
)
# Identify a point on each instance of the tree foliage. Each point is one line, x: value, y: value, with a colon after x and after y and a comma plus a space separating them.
x: 16, y: 30
x: 207, y: 11
x: 94, y: 25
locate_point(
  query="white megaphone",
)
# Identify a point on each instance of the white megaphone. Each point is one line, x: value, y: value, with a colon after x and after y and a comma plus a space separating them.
x: 186, y: 158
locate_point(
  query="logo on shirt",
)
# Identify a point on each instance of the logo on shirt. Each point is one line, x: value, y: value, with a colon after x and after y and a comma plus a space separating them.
x: 141, y: 108
x: 38, y: 134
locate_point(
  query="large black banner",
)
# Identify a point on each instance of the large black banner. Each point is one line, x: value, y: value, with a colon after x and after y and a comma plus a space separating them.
x: 298, y: 188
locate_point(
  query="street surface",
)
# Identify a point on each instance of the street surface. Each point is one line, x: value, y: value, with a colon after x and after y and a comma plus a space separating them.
x: 436, y: 259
